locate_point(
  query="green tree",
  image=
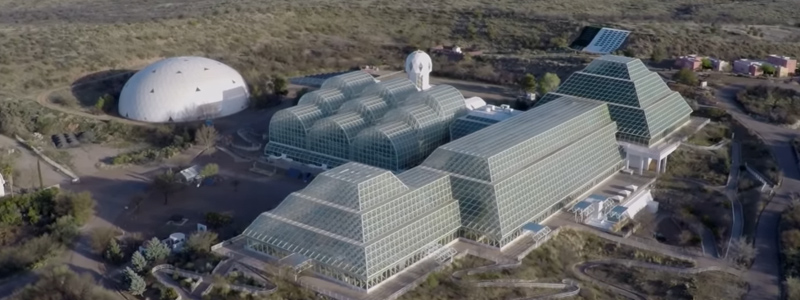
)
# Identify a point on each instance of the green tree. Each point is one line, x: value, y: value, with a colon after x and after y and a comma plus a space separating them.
x: 217, y: 220
x: 280, y: 85
x: 138, y: 262
x: 78, y: 205
x: 528, y: 83
x: 167, y: 184
x: 64, y: 229
x: 658, y: 55
x: 768, y: 69
x: 136, y: 285
x: 200, y: 242
x: 100, y: 237
x: 209, y: 170
x: 114, y: 252
x: 101, y: 102
x: 155, y: 250
x: 548, y: 82
x: 686, y: 76
x: 706, y: 64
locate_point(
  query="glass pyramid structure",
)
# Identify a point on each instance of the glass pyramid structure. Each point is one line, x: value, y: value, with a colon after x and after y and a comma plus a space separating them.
x: 361, y: 224
x: 643, y: 106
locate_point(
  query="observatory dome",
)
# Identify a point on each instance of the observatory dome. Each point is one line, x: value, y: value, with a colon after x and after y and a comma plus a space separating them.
x: 183, y: 89
x: 419, y: 62
x: 418, y: 68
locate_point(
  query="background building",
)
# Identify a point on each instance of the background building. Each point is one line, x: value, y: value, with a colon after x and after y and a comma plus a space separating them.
x: 746, y: 66
x: 691, y: 62
x: 786, y: 65
x: 183, y: 89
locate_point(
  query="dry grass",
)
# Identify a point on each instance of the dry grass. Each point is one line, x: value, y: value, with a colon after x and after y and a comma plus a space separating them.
x: 711, y: 134
x: 710, y: 166
x: 690, y: 203
x: 550, y: 263
x: 51, y: 43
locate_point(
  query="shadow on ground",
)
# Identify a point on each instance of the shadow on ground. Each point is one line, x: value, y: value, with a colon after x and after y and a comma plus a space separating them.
x: 88, y: 89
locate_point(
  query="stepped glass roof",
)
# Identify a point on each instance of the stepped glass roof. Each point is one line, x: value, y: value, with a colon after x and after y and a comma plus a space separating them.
x: 360, y: 219
x: 518, y: 170
x: 643, y: 106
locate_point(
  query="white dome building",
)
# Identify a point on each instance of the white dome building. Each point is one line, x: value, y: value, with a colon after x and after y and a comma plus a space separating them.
x: 418, y: 68
x: 183, y: 89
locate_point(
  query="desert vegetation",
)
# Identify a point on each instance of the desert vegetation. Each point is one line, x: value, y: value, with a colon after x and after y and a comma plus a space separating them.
x: 790, y: 248
x: 62, y: 283
x: 39, y: 226
x: 263, y: 38
x: 692, y: 204
x: 775, y: 104
x: 663, y: 285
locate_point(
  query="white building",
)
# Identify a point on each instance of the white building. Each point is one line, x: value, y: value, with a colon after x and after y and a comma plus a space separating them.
x: 183, y: 89
x: 418, y: 67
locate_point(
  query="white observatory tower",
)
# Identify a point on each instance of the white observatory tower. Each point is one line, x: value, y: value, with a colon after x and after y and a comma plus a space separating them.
x: 418, y: 68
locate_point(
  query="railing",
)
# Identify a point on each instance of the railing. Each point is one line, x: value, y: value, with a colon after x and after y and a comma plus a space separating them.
x: 324, y: 292
x: 53, y: 163
x: 170, y: 269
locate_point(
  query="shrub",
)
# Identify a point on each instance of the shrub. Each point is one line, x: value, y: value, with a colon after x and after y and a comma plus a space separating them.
x: 201, y: 242
x: 686, y: 76
x: 61, y: 283
x: 101, y: 237
x: 78, y: 205
x: 168, y: 293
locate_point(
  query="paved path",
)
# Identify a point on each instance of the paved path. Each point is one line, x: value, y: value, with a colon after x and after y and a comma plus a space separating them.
x: 43, y: 99
x: 765, y: 275
x: 731, y: 191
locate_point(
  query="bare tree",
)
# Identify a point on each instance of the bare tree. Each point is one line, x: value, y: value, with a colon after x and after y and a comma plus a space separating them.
x: 167, y: 184
x: 205, y: 135
x: 793, y: 288
x: 742, y: 252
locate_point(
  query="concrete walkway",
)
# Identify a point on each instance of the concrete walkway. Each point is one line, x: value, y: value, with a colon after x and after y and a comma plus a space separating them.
x: 731, y: 191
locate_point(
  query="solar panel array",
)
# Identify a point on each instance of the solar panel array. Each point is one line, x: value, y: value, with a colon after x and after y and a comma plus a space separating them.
x: 607, y: 40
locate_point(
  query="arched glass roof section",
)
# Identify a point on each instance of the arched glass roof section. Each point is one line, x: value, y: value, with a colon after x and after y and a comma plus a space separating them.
x: 372, y: 107
x: 394, y: 91
x: 350, y: 84
x: 426, y: 125
x: 327, y: 100
x: 446, y: 100
x: 333, y: 135
x: 390, y: 146
x: 289, y: 126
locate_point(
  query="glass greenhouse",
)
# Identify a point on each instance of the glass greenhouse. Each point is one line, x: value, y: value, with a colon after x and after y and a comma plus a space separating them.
x: 361, y: 224
x: 388, y: 124
x: 643, y: 106
x: 505, y: 177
